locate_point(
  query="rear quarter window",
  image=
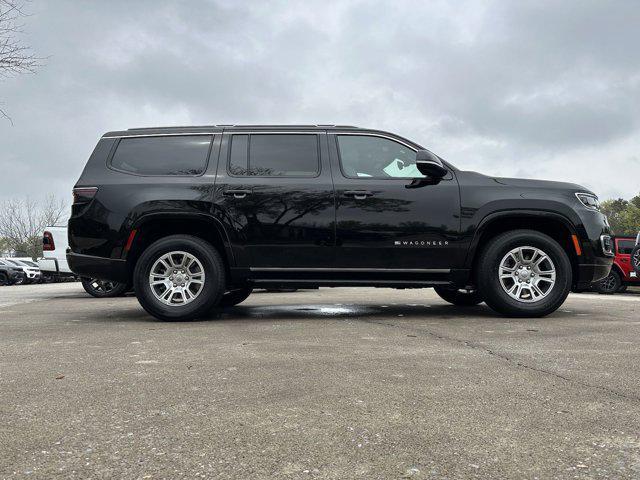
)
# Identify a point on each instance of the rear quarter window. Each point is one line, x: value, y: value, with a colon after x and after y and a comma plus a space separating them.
x: 175, y: 155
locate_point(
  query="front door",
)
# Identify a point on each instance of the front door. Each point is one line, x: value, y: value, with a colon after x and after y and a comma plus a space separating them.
x: 388, y: 215
x: 276, y: 194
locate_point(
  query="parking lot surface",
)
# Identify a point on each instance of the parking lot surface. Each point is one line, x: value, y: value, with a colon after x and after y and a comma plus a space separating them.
x: 331, y: 383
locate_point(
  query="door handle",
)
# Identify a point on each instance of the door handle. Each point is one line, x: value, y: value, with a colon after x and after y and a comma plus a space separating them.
x: 358, y: 194
x: 236, y: 193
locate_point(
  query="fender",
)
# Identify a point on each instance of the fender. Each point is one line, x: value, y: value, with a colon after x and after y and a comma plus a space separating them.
x: 196, y: 216
x: 512, y: 213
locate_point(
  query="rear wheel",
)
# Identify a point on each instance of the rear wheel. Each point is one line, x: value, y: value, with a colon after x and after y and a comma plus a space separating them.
x: 234, y: 297
x: 179, y: 277
x: 103, y: 288
x: 462, y: 298
x: 610, y: 284
x: 523, y: 273
x: 3, y: 280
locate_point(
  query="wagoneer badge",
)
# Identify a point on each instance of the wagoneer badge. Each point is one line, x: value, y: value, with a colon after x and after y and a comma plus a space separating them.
x: 421, y: 243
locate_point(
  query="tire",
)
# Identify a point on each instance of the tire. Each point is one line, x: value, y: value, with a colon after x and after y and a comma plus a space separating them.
x: 103, y: 288
x: 622, y: 289
x: 21, y: 280
x: 234, y: 297
x: 461, y: 298
x: 522, y: 302
x: 184, y: 301
x: 3, y: 280
x: 610, y: 284
x: 635, y: 259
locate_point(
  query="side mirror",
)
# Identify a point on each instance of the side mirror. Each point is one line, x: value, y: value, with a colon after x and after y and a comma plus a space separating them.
x: 430, y: 165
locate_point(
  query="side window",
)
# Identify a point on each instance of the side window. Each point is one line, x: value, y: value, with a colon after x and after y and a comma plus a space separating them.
x: 162, y: 155
x: 363, y: 156
x: 625, y: 247
x: 274, y: 155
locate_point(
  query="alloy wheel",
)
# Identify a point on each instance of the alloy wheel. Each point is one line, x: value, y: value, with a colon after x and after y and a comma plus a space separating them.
x: 527, y: 274
x: 609, y: 283
x: 176, y: 278
x: 104, y: 286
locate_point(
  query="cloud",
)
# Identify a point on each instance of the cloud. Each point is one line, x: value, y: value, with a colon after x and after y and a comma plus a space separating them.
x: 540, y: 89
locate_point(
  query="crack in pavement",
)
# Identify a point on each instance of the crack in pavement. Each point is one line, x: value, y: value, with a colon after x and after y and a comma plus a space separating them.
x: 493, y: 353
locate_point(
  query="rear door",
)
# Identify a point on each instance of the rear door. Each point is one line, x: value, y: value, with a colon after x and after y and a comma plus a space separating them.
x: 275, y: 191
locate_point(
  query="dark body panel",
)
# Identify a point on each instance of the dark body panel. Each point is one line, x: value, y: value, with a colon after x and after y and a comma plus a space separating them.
x: 398, y: 226
x: 284, y: 222
x: 306, y: 230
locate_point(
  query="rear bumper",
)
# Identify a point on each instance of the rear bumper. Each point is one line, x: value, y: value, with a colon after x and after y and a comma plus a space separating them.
x: 98, y: 267
x: 590, y: 273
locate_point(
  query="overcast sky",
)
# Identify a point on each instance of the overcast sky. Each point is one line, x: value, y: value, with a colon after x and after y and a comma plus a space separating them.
x: 511, y: 88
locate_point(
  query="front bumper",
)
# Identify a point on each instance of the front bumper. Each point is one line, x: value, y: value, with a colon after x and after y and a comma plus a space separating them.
x: 98, y: 267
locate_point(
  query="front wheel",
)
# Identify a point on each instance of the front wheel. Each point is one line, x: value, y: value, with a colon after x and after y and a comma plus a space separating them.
x: 523, y: 273
x: 179, y: 277
x: 461, y: 298
x: 103, y: 288
x: 3, y: 280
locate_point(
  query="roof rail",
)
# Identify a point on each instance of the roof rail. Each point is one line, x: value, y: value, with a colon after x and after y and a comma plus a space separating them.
x: 240, y: 125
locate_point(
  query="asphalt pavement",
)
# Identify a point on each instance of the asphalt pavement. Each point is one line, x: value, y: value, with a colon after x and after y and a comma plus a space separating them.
x: 341, y: 383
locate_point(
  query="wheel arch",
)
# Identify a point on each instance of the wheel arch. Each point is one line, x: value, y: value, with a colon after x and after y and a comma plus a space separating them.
x: 154, y: 226
x: 555, y: 225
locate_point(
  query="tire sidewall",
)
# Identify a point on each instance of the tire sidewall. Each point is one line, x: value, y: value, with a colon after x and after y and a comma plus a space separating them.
x: 489, y: 282
x: 213, y: 286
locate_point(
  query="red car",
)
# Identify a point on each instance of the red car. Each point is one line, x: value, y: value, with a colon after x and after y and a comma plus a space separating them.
x: 622, y: 272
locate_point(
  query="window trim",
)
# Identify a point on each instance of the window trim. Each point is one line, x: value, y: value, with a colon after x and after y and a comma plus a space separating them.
x: 249, y: 133
x: 387, y: 137
x: 116, y: 144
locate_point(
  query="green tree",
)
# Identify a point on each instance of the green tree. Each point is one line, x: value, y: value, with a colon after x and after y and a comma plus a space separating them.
x: 623, y: 215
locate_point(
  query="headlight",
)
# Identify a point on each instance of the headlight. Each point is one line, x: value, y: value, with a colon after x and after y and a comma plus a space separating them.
x: 589, y: 200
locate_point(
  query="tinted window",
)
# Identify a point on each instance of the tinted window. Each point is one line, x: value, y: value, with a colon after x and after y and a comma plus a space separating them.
x: 274, y: 155
x: 366, y: 156
x: 626, y: 246
x: 170, y: 155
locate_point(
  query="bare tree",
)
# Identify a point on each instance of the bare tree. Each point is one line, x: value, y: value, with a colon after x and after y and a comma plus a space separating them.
x: 22, y: 222
x: 15, y: 57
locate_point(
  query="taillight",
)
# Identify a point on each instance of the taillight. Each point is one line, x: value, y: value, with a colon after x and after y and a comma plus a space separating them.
x: 83, y: 194
x: 47, y: 242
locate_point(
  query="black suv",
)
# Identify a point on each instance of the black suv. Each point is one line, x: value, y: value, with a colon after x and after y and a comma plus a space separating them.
x: 195, y: 217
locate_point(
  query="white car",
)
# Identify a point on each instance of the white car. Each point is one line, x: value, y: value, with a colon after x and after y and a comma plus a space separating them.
x: 30, y: 269
x: 54, y: 252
